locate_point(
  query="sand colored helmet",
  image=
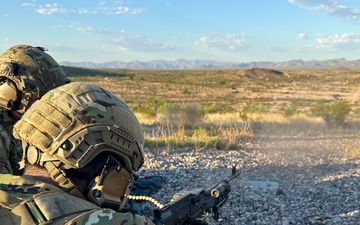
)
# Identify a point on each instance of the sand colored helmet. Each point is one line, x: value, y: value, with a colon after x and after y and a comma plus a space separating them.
x: 25, y: 72
x: 72, y: 125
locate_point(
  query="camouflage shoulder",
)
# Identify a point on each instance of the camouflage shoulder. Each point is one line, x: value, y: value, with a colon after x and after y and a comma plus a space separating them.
x: 13, y: 147
x: 109, y: 217
x: 24, y: 185
x: 5, y: 166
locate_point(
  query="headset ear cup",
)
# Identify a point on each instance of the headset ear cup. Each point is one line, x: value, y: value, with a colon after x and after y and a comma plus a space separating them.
x: 32, y: 155
x: 111, y: 190
x: 9, y: 98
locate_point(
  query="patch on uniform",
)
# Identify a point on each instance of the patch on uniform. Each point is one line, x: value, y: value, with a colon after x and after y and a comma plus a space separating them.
x: 3, y: 168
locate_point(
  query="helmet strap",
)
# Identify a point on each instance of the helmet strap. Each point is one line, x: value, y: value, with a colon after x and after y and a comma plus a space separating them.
x: 58, y: 176
x: 24, y: 102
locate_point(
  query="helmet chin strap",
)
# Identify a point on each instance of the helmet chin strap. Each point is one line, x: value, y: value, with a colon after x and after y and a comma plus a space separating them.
x: 58, y: 176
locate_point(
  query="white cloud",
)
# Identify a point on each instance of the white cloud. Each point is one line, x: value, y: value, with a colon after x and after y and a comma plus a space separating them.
x: 86, y: 11
x: 101, y: 8
x: 118, y: 40
x: 27, y: 4
x: 305, y: 2
x: 49, y: 9
x: 329, y: 7
x: 230, y: 43
x: 88, y: 29
x: 141, y: 44
x: 303, y: 36
x: 346, y: 41
x: 335, y: 43
x: 126, y: 10
x: 61, y: 50
x: 177, y: 37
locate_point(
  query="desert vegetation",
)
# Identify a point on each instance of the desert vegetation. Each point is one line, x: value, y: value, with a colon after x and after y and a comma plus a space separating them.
x: 225, y: 108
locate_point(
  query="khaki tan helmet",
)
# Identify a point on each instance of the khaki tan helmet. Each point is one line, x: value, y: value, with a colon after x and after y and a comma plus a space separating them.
x: 25, y: 72
x: 72, y: 125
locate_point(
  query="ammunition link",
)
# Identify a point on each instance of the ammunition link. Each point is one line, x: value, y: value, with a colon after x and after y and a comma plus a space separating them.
x: 146, y: 198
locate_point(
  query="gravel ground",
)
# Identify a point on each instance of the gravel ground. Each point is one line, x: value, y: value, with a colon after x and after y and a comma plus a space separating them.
x: 317, y: 184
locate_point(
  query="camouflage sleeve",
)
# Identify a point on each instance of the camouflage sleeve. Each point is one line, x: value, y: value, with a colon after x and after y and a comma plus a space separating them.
x: 5, y: 166
x: 109, y: 217
x: 10, y: 147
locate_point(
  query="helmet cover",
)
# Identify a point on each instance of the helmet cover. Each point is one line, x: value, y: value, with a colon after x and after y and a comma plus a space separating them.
x: 33, y: 71
x: 76, y: 122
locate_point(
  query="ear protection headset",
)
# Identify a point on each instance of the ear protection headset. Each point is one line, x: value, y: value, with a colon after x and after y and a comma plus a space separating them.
x: 111, y: 188
x: 9, y: 92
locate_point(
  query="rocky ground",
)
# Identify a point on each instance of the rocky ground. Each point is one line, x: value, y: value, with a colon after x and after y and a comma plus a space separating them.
x: 316, y: 183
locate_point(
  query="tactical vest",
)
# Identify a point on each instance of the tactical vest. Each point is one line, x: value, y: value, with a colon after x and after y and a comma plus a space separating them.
x: 27, y: 201
x: 39, y: 203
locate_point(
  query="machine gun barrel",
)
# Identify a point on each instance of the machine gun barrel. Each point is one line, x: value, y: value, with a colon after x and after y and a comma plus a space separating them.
x: 192, y: 207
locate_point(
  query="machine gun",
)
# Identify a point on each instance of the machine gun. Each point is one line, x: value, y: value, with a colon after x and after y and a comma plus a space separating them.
x: 193, y: 207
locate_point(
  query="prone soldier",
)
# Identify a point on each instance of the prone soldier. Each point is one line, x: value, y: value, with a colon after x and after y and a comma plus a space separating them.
x: 26, y: 74
x: 82, y: 147
x: 85, y: 145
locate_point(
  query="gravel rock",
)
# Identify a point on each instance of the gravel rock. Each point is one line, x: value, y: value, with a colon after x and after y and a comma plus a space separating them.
x: 317, y: 184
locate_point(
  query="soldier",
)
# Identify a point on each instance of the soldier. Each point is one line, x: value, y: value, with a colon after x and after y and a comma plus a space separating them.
x: 91, y: 144
x: 26, y: 73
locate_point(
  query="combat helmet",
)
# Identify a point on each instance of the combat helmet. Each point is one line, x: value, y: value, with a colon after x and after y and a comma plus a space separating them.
x: 73, y: 124
x: 25, y: 72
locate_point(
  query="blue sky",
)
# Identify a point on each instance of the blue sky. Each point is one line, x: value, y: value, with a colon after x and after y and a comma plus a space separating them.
x: 222, y: 30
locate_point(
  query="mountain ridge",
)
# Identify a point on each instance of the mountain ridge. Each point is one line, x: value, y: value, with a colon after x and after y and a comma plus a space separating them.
x: 212, y: 64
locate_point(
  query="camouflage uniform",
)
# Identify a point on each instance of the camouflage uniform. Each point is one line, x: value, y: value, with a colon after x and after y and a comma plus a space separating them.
x: 26, y: 201
x: 26, y: 72
x: 10, y: 148
x: 68, y: 128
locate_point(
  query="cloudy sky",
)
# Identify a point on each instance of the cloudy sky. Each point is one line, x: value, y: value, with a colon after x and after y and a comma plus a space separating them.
x: 222, y: 30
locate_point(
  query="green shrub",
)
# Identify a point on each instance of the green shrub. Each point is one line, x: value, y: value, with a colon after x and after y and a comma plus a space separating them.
x: 156, y: 102
x: 334, y: 114
x: 211, y: 142
x: 255, y: 108
x: 290, y: 111
x: 222, y: 82
x: 185, y: 91
x: 150, y: 107
x: 211, y: 108
x: 198, y: 133
x: 216, y: 108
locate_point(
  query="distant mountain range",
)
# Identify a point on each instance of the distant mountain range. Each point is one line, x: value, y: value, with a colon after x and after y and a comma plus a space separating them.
x: 209, y: 64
